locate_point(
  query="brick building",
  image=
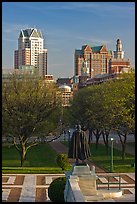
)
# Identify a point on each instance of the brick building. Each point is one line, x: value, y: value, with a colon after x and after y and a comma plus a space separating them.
x: 90, y: 61
x: 95, y: 60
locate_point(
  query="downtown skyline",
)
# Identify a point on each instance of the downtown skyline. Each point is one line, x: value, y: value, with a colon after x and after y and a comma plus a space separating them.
x: 67, y: 26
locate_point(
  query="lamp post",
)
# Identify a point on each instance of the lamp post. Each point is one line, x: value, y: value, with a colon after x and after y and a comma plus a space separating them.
x: 69, y: 136
x: 111, y: 166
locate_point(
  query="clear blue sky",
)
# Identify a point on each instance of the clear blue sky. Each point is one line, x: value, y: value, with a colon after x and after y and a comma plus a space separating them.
x: 67, y: 26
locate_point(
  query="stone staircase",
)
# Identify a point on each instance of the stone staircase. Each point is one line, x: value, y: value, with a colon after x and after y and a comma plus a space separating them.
x: 89, y: 191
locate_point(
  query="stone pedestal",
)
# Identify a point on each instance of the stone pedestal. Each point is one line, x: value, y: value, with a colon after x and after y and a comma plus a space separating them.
x: 81, y: 186
x: 82, y: 170
x: 82, y: 175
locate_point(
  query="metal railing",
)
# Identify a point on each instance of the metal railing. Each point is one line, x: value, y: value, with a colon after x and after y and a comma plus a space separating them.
x: 108, y: 181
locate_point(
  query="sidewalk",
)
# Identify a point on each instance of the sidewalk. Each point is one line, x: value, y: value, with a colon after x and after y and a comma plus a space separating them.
x: 62, y: 149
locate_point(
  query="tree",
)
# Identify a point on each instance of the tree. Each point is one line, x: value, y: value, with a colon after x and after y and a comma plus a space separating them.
x: 119, y: 105
x: 29, y: 108
x: 124, y: 113
x: 86, y: 110
x: 106, y: 107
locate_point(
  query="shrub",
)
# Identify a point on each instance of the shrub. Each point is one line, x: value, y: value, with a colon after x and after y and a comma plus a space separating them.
x: 62, y: 161
x: 56, y: 189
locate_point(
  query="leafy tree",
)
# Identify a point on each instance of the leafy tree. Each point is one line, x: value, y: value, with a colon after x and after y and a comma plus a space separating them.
x: 29, y: 108
x: 106, y: 107
x: 86, y: 110
x: 124, y: 112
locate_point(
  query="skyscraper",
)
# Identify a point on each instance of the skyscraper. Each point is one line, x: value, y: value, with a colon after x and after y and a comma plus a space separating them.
x: 31, y: 51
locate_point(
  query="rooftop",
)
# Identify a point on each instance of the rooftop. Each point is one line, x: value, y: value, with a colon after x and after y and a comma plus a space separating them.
x: 31, y: 32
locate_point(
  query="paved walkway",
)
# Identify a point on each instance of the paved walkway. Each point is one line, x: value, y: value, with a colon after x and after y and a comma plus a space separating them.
x: 34, y: 188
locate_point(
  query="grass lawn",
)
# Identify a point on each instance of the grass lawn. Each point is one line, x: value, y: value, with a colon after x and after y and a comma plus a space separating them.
x: 100, y: 157
x: 103, y: 160
x: 40, y: 159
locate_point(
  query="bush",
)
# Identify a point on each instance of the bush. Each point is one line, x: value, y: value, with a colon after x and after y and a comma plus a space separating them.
x: 62, y: 161
x: 56, y: 189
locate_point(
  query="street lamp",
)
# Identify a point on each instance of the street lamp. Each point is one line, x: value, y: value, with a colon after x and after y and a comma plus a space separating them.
x: 69, y: 136
x: 111, y: 167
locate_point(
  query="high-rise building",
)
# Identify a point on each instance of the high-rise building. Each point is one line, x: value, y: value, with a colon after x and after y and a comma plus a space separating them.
x: 31, y: 51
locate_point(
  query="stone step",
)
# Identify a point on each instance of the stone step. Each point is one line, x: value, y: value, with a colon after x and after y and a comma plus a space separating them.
x: 94, y: 198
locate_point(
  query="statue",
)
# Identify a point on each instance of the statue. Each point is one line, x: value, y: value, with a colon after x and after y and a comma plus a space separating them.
x: 78, y: 147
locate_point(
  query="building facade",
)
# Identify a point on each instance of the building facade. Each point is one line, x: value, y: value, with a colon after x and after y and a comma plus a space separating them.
x: 90, y: 61
x: 67, y: 95
x: 64, y: 81
x: 96, y: 60
x: 31, y: 51
x: 119, y: 64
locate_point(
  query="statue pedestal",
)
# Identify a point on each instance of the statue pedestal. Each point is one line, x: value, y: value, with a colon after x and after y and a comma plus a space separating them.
x: 81, y: 186
x: 81, y: 170
x: 82, y: 175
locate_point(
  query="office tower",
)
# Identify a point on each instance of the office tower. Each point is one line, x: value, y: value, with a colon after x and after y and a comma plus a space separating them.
x: 31, y: 51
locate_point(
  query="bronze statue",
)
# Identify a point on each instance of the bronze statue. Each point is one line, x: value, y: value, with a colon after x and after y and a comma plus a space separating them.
x: 78, y: 147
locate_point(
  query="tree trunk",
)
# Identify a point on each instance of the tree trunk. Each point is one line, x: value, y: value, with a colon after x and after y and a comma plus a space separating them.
x: 90, y: 135
x: 97, y: 134
x: 23, y: 155
x: 123, y: 143
x: 123, y: 150
x: 105, y: 138
x: 97, y: 139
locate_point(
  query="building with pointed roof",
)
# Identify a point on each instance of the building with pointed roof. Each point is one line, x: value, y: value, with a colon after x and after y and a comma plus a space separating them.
x: 118, y: 64
x: 92, y: 60
x: 96, y: 60
x: 31, y: 51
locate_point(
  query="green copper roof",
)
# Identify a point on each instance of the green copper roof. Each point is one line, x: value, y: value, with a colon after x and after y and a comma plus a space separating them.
x: 96, y: 48
x: 84, y: 46
x: 78, y: 52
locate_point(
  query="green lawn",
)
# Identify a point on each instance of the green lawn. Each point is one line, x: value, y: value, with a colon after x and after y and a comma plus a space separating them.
x: 103, y: 160
x: 100, y: 157
x: 40, y: 159
x: 37, y: 156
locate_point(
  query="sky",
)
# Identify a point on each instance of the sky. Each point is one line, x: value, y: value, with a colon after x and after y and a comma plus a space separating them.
x: 67, y: 26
